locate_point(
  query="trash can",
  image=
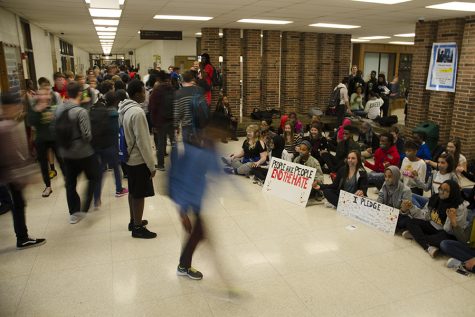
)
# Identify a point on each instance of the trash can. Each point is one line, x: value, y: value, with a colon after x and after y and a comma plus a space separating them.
x: 431, y: 130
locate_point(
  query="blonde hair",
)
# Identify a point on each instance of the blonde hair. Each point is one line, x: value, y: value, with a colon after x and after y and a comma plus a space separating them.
x: 255, y: 131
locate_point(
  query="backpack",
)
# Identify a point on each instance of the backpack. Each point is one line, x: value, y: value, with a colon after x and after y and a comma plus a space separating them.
x: 335, y: 98
x: 200, y: 111
x: 123, y: 152
x: 387, y: 121
x: 64, y: 129
x: 217, y: 79
x: 100, y: 127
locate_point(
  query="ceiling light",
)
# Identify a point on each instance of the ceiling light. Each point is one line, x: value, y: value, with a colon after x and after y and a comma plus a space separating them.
x: 107, y: 36
x: 334, y: 26
x: 402, y: 43
x: 374, y: 37
x: 406, y: 35
x: 106, y: 33
x: 121, y: 2
x: 383, y: 1
x: 358, y: 41
x: 106, y: 28
x: 105, y: 13
x: 456, y: 6
x: 106, y: 41
x: 181, y: 17
x: 259, y: 21
x: 198, y: 34
x: 105, y: 22
x: 138, y: 32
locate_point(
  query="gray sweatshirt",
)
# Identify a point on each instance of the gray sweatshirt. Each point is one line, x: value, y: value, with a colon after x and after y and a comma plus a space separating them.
x: 425, y: 214
x: 81, y: 144
x: 132, y: 118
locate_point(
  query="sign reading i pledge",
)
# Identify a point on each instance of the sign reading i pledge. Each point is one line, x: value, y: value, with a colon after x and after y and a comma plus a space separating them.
x: 290, y: 181
x: 368, y: 211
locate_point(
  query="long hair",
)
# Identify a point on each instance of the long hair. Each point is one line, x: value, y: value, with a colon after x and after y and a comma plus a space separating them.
x: 289, y: 136
x: 450, y: 162
x: 458, y: 149
x: 359, y: 162
x: 253, y: 141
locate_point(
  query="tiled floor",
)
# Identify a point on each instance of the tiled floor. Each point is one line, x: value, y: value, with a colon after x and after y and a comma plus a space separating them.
x: 280, y: 259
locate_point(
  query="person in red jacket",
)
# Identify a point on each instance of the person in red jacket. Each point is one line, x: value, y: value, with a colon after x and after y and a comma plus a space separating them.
x: 386, y: 155
x: 209, y: 70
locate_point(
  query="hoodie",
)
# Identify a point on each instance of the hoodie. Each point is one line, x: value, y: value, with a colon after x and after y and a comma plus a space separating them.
x: 391, y: 155
x: 132, y: 118
x: 393, y: 194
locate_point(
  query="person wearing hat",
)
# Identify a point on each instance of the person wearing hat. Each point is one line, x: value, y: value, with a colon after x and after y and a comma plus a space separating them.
x: 342, y: 149
x: 306, y: 159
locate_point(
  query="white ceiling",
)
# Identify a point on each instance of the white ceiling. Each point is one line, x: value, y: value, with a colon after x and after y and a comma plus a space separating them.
x: 72, y: 17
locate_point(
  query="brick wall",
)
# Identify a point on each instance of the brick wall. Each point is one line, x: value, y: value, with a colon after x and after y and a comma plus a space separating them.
x: 342, y: 57
x: 463, y: 124
x: 426, y: 33
x: 325, y: 69
x: 251, y: 54
x: 270, y: 69
x: 289, y: 89
x: 308, y: 79
x: 451, y: 30
x: 232, y: 68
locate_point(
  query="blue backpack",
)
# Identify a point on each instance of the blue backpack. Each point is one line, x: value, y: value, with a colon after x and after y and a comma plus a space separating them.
x: 123, y: 152
x: 200, y: 111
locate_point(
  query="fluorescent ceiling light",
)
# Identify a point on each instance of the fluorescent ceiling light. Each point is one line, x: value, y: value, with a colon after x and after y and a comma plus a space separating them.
x: 402, y: 43
x: 106, y: 28
x: 138, y: 32
x: 405, y: 35
x: 455, y: 6
x: 198, y: 34
x: 105, y: 22
x: 107, y: 36
x: 103, y: 42
x: 374, y: 37
x: 334, y: 26
x: 181, y: 17
x: 106, y: 33
x: 383, y: 1
x: 259, y: 21
x: 121, y: 2
x: 358, y: 41
x: 105, y: 13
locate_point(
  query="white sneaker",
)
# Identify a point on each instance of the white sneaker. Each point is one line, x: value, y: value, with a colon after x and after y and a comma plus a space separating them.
x: 407, y: 235
x: 329, y: 205
x: 76, y: 217
x: 453, y: 263
x: 433, y: 251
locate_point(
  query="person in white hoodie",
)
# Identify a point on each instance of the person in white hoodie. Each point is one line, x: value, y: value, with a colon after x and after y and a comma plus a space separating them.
x: 141, y: 162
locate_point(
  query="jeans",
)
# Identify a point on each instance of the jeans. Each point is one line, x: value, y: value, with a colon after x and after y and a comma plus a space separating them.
x: 90, y: 166
x: 5, y: 198
x: 376, y: 179
x: 18, y: 212
x: 419, y: 201
x: 161, y: 141
x: 425, y: 234
x: 197, y: 234
x: 42, y: 151
x: 241, y: 168
x: 340, y: 111
x: 459, y: 250
x: 108, y: 156
x: 332, y: 196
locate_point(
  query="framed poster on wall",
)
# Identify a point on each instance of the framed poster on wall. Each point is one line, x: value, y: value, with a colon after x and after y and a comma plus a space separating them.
x: 443, y: 67
x: 11, y: 69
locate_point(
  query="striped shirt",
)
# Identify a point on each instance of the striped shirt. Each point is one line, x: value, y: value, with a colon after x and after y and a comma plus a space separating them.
x: 182, y: 111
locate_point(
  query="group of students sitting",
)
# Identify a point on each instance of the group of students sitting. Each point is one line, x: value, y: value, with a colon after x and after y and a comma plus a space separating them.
x: 401, y: 172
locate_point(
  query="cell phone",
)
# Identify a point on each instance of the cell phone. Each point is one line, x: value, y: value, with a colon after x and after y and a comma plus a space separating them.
x: 462, y: 271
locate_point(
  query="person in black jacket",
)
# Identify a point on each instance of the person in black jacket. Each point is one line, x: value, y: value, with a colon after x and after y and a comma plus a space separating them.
x: 351, y: 177
x: 368, y: 140
x: 342, y: 149
x: 228, y: 122
x: 383, y: 91
x: 317, y: 141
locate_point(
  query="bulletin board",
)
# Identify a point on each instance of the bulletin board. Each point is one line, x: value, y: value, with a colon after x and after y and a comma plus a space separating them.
x: 11, y: 69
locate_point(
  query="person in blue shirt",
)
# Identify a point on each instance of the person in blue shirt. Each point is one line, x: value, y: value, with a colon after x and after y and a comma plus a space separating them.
x: 424, y: 151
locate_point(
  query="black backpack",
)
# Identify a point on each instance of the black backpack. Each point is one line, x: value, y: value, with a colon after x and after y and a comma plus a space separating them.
x: 217, y: 79
x: 100, y: 127
x: 387, y: 121
x: 64, y: 129
x: 335, y: 98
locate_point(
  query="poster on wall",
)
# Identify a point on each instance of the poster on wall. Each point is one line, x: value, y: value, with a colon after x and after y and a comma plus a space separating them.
x: 443, y: 67
x: 289, y: 181
x: 368, y: 211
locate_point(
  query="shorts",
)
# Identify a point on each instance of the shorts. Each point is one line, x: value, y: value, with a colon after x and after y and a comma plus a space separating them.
x: 140, y: 183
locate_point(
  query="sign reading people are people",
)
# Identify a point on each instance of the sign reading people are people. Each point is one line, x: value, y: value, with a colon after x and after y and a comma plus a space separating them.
x: 290, y: 181
x: 368, y: 211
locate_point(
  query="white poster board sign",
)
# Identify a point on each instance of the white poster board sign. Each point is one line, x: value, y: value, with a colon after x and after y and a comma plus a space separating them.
x: 368, y: 211
x: 290, y: 181
x: 443, y: 67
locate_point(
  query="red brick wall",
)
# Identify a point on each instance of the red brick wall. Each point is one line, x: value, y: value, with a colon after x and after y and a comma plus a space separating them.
x: 325, y: 70
x: 308, y: 79
x: 426, y: 33
x: 232, y: 68
x: 342, y: 57
x: 252, y: 62
x: 451, y: 30
x: 463, y: 124
x: 290, y: 65
x: 270, y: 69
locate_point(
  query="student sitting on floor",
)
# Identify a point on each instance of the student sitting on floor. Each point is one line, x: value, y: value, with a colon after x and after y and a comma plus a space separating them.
x: 431, y: 224
x: 454, y: 147
x: 413, y: 167
x: 317, y: 141
x: 252, y: 154
x: 351, y: 177
x: 462, y: 251
x: 424, y: 151
x: 368, y: 140
x: 291, y: 142
x: 306, y: 159
x: 334, y: 163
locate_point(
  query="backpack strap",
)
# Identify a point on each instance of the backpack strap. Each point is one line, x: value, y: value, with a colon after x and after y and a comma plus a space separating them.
x: 122, y: 125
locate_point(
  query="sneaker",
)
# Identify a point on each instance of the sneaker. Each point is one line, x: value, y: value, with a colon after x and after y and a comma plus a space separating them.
x: 29, y: 243
x: 142, y: 232
x: 407, y: 235
x: 52, y: 174
x: 229, y: 170
x: 131, y: 225
x: 192, y: 273
x: 76, y: 217
x: 123, y: 192
x: 47, y: 192
x: 97, y: 205
x: 453, y: 263
x: 329, y: 205
x: 433, y: 251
